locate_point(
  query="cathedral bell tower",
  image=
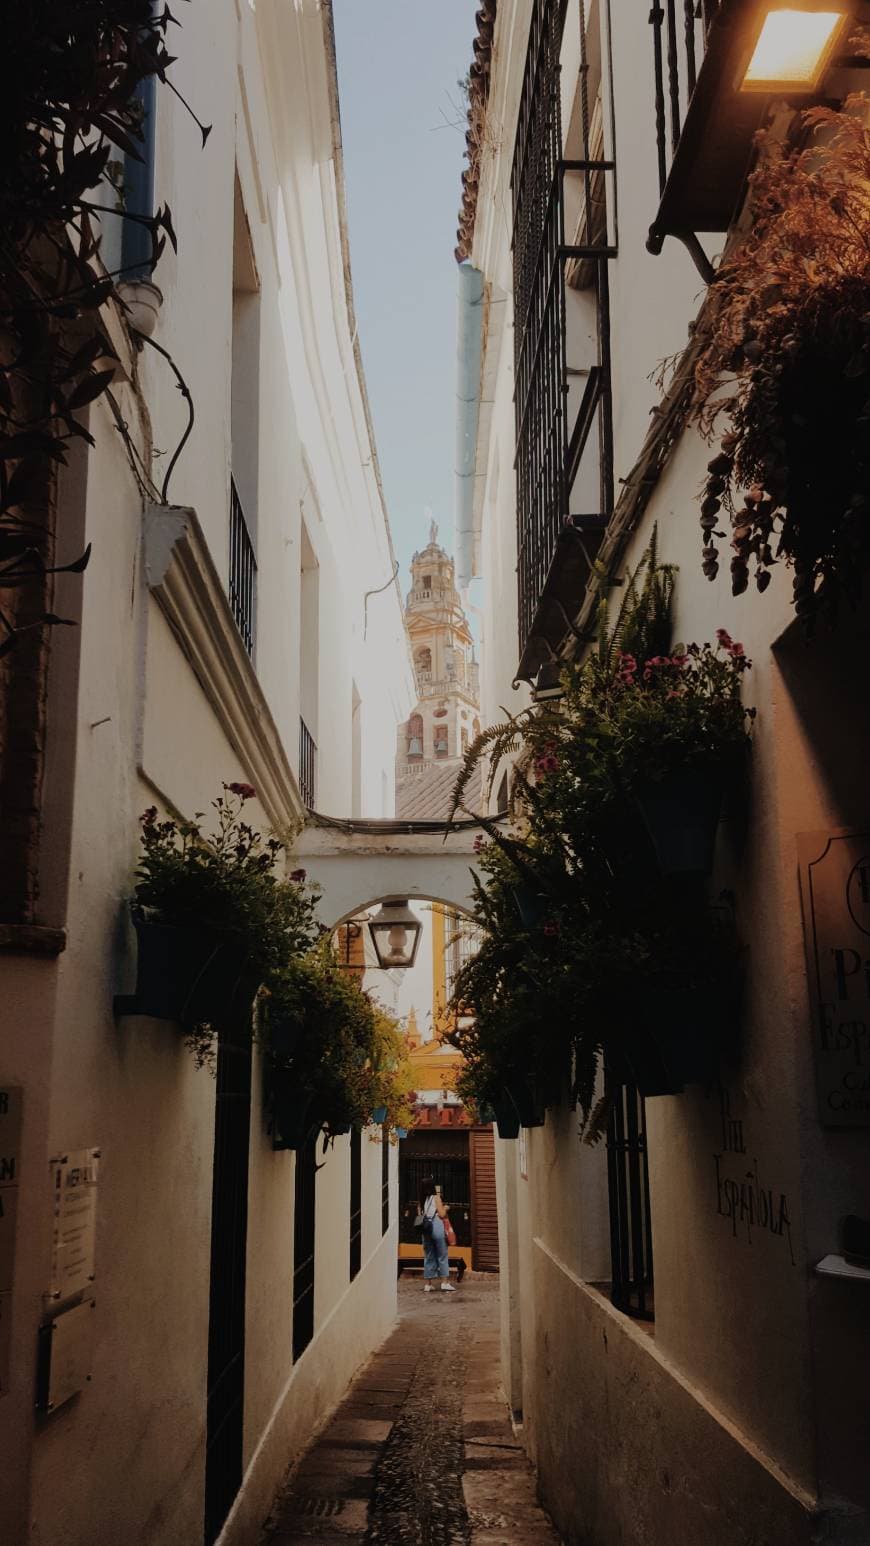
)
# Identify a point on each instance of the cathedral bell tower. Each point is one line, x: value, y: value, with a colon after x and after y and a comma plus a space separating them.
x: 446, y: 718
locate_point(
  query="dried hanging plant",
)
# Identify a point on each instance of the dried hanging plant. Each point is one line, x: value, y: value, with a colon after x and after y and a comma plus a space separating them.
x: 787, y: 363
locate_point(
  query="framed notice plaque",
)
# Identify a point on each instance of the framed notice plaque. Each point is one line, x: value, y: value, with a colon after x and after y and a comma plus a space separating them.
x: 835, y: 889
x: 74, y: 1182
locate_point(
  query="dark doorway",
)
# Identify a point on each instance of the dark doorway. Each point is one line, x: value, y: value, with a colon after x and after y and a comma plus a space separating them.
x: 226, y: 1326
x: 355, y: 1202
x: 385, y: 1181
x: 303, y: 1248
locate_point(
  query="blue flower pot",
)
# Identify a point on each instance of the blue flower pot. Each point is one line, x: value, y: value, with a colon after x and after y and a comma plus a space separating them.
x: 379, y: 1115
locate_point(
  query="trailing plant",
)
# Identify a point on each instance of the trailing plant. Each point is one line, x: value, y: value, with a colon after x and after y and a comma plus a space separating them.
x: 69, y: 104
x: 229, y: 880
x: 580, y: 928
x: 342, y: 1048
x: 786, y: 365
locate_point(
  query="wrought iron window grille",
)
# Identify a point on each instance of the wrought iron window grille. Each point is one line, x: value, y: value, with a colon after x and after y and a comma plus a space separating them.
x: 307, y: 766
x: 556, y: 424
x: 243, y: 573
x: 631, y: 1279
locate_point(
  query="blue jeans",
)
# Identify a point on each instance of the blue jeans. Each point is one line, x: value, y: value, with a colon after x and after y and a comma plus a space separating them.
x: 435, y: 1260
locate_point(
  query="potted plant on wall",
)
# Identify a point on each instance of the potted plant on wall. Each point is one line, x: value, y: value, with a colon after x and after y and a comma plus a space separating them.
x: 213, y: 916
x: 613, y: 959
x: 333, y: 1055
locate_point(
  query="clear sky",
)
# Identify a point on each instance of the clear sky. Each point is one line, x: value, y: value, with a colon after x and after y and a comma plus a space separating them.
x: 403, y: 134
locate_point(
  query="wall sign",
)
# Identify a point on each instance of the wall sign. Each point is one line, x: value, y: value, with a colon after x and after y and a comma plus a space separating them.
x: 74, y: 1178
x: 10, y: 1174
x: 835, y: 890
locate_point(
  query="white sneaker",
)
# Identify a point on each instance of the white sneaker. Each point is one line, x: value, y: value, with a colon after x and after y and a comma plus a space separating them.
x: 448, y: 1288
x: 427, y: 1288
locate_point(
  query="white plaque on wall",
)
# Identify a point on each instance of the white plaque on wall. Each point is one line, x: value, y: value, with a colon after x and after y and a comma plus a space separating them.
x: 74, y: 1180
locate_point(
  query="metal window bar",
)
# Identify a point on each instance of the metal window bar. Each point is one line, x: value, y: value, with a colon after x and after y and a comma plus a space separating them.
x: 243, y: 573
x: 628, y: 1192
x: 355, y: 1202
x: 679, y: 27
x: 385, y: 1180
x: 307, y: 766
x: 548, y: 449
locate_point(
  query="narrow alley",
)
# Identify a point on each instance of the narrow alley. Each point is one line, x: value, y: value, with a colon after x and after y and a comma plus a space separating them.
x: 421, y: 1452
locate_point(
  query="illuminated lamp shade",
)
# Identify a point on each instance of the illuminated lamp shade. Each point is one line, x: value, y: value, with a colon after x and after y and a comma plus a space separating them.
x: 793, y: 48
x: 395, y: 933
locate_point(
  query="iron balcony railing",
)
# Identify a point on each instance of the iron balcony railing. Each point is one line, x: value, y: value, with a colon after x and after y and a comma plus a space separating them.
x: 307, y: 766
x: 679, y: 34
x: 554, y: 420
x: 243, y: 573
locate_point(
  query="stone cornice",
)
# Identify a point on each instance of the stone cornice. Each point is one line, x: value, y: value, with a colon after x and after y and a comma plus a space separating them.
x: 186, y: 586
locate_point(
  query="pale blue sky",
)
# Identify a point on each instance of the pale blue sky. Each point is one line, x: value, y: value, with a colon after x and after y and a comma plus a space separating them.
x: 399, y: 62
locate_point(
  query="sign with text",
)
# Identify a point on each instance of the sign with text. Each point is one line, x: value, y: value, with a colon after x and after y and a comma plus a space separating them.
x: 74, y: 1178
x: 835, y: 888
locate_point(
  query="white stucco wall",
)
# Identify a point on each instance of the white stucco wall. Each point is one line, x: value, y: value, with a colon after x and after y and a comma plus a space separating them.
x: 729, y: 1422
x: 165, y: 708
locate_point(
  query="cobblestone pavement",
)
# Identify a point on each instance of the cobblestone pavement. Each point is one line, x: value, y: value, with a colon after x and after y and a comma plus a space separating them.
x: 421, y: 1451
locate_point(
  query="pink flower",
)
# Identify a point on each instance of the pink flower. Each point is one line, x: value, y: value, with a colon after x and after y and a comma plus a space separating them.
x: 736, y: 651
x: 244, y: 791
x: 479, y: 844
x: 299, y: 876
x: 547, y: 764
x: 724, y: 638
x: 149, y: 817
x: 551, y: 927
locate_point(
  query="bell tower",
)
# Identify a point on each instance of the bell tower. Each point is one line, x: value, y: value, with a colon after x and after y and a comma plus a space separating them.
x: 446, y: 717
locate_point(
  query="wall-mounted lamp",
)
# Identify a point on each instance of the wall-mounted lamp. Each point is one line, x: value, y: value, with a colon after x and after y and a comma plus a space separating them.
x: 793, y: 47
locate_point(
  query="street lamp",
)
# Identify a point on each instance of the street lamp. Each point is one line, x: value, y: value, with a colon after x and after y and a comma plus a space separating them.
x: 792, y: 46
x: 395, y: 932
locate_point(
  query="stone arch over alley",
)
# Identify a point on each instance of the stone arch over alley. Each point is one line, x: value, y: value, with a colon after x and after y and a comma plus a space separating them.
x: 359, y: 864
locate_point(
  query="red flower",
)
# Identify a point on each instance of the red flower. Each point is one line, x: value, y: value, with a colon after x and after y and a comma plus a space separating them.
x: 551, y: 927
x: 149, y: 817
x: 299, y: 876
x: 479, y: 844
x: 244, y: 791
x: 736, y: 651
x: 724, y: 638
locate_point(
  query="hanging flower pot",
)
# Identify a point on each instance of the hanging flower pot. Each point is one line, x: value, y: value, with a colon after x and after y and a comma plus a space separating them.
x: 681, y: 814
x: 284, y: 1033
x: 505, y: 1116
x: 379, y: 1116
x: 527, y: 1100
x: 401, y: 1132
x: 191, y: 975
x: 294, y: 1110
x: 672, y: 1039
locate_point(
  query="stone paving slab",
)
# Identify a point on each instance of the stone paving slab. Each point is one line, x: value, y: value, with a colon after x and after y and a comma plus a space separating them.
x: 421, y: 1451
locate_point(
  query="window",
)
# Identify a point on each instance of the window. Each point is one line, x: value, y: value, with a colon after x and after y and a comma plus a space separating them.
x: 307, y: 766
x: 355, y: 1202
x: 244, y: 429
x: 423, y: 663
x: 628, y: 1194
x: 441, y: 746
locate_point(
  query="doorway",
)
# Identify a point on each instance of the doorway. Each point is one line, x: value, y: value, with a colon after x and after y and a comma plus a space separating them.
x: 303, y: 1247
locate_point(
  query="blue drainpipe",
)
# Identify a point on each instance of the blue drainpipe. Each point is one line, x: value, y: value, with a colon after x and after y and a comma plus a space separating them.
x: 139, y: 191
x: 469, y: 352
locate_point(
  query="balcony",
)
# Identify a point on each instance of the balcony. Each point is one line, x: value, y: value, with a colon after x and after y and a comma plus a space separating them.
x: 708, y: 107
x: 243, y: 573
x: 307, y: 766
x: 562, y: 400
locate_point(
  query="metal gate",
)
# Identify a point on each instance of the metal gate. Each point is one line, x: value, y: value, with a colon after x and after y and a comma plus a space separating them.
x: 226, y: 1325
x: 303, y: 1248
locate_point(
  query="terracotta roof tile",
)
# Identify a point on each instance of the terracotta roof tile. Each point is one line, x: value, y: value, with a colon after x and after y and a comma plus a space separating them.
x: 478, y: 91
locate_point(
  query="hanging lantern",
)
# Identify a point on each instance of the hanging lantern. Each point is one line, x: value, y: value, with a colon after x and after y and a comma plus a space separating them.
x: 395, y: 932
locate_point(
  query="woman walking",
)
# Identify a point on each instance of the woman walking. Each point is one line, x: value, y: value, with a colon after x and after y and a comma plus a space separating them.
x: 435, y: 1260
